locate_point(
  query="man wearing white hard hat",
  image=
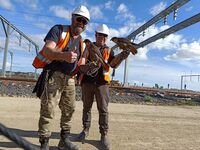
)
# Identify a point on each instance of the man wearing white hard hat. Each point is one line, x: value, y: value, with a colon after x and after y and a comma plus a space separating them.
x: 97, y: 84
x: 62, y: 53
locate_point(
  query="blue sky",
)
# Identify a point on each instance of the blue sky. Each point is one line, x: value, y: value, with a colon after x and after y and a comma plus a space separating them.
x: 162, y: 62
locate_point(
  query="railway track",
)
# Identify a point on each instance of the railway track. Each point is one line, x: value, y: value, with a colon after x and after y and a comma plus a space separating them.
x: 165, y: 92
x: 133, y: 89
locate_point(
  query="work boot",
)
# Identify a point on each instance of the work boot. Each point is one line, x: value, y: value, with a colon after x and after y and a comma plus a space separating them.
x: 65, y: 143
x: 82, y: 136
x: 44, y: 141
x: 105, y: 142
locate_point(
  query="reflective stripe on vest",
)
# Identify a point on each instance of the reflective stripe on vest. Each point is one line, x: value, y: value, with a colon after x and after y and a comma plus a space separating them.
x: 40, y: 61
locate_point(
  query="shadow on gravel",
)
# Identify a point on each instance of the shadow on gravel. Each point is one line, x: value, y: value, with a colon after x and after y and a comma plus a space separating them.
x: 32, y: 134
x: 8, y: 145
x: 73, y: 137
x: 95, y: 143
x: 12, y: 145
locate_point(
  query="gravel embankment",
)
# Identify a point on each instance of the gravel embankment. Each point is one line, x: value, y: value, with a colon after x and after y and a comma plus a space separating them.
x: 24, y: 89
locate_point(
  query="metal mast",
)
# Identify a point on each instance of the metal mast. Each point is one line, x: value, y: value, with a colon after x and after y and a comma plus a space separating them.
x: 8, y: 33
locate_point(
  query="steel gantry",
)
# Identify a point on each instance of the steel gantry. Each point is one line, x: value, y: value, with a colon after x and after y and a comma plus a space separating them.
x: 162, y: 15
x: 8, y: 32
x: 186, y: 76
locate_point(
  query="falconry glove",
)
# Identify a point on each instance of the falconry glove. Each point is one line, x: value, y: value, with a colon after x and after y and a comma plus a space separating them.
x: 116, y: 61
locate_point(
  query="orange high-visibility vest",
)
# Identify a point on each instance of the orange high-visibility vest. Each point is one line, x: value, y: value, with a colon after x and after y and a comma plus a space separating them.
x: 40, y: 61
x: 106, y: 71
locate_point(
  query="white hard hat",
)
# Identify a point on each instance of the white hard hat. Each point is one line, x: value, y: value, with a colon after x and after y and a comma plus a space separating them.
x: 82, y: 11
x: 103, y: 29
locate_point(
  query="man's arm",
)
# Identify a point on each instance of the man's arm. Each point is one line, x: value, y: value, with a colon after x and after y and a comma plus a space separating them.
x: 53, y: 53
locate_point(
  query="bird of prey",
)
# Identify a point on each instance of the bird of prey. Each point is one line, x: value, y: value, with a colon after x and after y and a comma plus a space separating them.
x: 125, y: 44
x: 95, y: 53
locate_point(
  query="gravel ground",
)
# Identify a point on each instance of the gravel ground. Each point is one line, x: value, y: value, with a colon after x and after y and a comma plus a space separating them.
x: 131, y: 127
x: 24, y: 89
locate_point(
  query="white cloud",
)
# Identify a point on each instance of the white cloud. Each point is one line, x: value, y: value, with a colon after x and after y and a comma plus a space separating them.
x: 170, y: 42
x: 124, y: 15
x: 61, y: 12
x: 109, y: 5
x: 42, y: 25
x: 186, y: 52
x: 42, y: 22
x: 33, y: 4
x: 29, y: 17
x: 124, y: 30
x: 6, y: 4
x: 141, y: 55
x: 122, y: 9
x: 149, y: 73
x: 39, y: 39
x: 91, y: 27
x: 157, y: 8
x: 96, y: 12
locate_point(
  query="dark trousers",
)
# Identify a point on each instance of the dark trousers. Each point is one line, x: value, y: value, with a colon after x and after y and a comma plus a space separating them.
x: 101, y: 93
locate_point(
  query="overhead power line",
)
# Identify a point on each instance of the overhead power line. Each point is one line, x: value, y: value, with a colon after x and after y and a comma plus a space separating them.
x: 155, y: 19
x: 163, y: 14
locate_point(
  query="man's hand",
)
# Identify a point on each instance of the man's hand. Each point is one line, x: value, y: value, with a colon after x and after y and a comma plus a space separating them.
x: 70, y: 56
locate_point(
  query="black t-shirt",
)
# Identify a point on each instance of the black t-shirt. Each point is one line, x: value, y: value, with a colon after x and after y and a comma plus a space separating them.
x: 99, y: 78
x: 54, y: 35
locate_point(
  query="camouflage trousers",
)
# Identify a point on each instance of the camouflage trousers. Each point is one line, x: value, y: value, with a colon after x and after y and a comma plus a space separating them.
x: 59, y: 90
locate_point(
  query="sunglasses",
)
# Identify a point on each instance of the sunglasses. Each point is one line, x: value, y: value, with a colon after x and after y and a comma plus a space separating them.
x: 102, y: 35
x: 82, y: 20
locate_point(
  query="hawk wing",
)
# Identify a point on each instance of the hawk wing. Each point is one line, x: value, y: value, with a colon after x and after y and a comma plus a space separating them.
x: 95, y: 53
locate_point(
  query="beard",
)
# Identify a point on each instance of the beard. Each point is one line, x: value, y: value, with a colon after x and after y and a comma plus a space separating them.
x: 78, y: 30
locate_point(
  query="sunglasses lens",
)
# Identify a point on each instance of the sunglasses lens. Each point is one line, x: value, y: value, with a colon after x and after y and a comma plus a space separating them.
x: 80, y: 19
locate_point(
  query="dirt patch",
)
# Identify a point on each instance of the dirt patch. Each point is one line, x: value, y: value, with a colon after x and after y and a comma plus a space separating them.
x: 132, y: 127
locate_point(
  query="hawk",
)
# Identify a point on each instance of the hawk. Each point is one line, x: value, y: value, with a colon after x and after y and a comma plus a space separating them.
x: 95, y: 53
x: 96, y: 60
x: 125, y: 44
